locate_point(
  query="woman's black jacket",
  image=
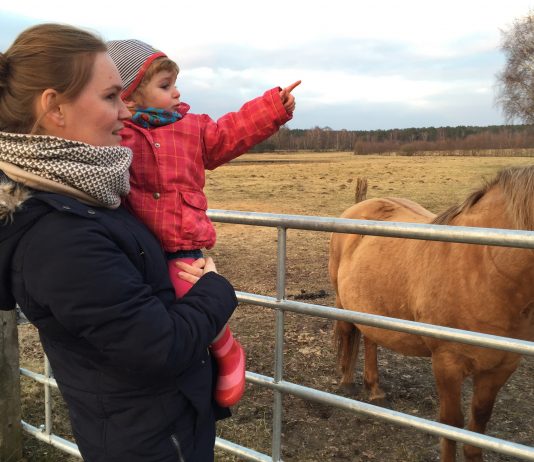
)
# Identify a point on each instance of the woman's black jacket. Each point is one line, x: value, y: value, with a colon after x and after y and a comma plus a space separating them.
x: 131, y: 361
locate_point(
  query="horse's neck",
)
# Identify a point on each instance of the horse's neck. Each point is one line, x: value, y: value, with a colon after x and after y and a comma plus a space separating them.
x: 489, y: 212
x: 515, y: 267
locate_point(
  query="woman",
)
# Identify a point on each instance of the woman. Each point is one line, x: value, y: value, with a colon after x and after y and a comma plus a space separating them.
x: 130, y: 360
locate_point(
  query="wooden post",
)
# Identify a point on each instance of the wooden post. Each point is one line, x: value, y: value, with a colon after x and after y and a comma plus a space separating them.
x: 10, y: 414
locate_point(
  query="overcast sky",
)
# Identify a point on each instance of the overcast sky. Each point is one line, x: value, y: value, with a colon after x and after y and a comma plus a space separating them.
x: 377, y: 64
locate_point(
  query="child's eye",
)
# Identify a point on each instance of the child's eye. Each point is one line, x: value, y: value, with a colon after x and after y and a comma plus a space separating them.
x: 111, y: 96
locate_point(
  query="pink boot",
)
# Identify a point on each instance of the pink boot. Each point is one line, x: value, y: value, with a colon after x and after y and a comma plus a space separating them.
x: 230, y: 358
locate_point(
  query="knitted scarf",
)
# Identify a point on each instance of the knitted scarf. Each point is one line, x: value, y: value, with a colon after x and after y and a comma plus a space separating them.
x: 94, y: 174
x: 151, y: 117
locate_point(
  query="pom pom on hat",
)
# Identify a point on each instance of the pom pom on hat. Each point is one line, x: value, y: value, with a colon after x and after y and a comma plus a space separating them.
x: 132, y: 58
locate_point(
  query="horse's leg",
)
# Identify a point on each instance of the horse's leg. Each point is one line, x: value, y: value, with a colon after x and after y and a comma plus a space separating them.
x: 370, y: 375
x: 449, y: 375
x: 486, y: 385
x: 347, y: 338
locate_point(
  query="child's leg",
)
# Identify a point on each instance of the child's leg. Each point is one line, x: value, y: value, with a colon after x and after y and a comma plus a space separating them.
x: 226, y: 350
x: 181, y: 287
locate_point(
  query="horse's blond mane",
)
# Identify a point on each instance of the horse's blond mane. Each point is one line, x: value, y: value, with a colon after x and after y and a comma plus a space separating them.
x: 517, y: 184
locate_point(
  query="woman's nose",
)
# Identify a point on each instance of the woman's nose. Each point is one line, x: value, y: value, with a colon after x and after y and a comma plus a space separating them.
x: 124, y: 112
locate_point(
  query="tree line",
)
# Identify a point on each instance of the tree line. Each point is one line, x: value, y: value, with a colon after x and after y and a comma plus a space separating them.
x: 406, y: 141
x: 515, y: 96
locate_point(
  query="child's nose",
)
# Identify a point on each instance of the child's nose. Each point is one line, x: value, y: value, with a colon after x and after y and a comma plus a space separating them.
x: 176, y: 92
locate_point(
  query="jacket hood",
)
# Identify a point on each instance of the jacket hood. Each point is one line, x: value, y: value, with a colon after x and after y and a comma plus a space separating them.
x: 16, y: 217
x: 12, y: 196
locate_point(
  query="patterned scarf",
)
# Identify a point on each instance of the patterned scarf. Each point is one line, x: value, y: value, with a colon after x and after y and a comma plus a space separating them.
x: 151, y: 117
x: 99, y: 172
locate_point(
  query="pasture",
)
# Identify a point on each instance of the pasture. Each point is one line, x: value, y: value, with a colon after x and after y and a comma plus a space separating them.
x: 320, y: 184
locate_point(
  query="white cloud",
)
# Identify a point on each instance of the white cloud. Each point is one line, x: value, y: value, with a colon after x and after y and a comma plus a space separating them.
x: 351, y: 55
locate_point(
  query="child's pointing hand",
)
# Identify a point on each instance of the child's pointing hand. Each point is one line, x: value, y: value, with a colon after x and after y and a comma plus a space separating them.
x: 288, y: 100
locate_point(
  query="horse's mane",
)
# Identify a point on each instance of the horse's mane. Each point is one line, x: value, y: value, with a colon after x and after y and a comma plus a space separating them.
x: 517, y: 184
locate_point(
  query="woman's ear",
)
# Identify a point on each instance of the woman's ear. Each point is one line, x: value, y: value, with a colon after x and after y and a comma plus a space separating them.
x: 49, y: 109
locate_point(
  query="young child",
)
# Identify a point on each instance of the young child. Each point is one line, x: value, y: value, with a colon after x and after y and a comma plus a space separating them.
x: 172, y: 148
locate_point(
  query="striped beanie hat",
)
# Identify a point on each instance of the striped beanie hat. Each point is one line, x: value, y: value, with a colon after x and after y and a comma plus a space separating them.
x: 132, y: 58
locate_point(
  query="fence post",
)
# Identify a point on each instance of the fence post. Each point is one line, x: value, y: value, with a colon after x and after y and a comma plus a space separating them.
x: 10, y: 413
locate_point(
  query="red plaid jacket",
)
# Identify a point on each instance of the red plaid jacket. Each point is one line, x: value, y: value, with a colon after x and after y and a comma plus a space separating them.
x: 167, y: 175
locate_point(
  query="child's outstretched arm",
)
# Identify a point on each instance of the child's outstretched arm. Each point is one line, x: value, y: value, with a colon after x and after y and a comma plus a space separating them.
x: 235, y: 133
x: 288, y: 100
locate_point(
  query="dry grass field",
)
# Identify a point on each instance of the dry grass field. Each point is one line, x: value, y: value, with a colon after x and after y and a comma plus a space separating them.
x: 320, y: 184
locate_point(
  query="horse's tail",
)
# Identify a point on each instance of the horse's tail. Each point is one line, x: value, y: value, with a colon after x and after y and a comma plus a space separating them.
x: 347, y: 341
x: 360, y: 194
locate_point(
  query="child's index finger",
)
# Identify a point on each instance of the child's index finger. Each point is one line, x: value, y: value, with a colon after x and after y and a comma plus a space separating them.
x: 292, y: 86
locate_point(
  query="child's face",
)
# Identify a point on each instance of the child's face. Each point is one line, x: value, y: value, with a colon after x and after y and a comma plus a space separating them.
x: 160, y: 92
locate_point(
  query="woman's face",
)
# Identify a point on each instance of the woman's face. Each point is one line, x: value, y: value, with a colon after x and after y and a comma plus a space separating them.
x: 96, y: 115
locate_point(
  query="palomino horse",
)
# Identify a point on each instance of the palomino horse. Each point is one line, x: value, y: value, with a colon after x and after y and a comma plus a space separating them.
x: 487, y: 289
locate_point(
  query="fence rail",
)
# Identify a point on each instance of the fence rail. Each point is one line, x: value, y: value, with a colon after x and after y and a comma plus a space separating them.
x: 488, y: 236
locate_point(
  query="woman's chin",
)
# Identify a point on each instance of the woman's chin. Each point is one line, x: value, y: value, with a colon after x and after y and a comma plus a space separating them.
x: 115, y: 140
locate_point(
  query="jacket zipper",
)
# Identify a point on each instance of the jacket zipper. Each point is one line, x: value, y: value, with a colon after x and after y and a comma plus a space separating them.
x: 176, y: 444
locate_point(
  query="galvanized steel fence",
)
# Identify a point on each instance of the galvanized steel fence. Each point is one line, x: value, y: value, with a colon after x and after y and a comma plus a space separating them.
x: 488, y: 236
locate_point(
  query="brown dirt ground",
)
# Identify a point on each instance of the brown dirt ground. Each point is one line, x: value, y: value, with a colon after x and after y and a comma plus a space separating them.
x: 322, y: 185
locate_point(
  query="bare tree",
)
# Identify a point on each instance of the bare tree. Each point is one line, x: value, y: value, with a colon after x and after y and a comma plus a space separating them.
x: 515, y: 83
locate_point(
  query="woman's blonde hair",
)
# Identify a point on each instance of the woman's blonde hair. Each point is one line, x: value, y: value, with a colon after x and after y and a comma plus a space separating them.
x: 54, y: 56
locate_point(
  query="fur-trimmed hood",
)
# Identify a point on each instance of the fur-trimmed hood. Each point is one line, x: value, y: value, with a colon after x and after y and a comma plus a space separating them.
x: 12, y: 196
x: 15, y: 219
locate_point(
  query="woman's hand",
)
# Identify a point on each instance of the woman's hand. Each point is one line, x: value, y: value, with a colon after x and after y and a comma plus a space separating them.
x: 192, y: 273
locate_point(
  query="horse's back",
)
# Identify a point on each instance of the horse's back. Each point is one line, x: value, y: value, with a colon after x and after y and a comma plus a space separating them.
x: 389, y: 209
x: 380, y: 209
x: 383, y: 209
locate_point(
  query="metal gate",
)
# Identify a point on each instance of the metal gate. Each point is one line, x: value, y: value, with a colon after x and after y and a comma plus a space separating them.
x: 488, y: 236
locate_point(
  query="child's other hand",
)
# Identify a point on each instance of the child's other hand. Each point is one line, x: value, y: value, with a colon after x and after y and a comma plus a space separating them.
x: 192, y: 273
x: 288, y: 100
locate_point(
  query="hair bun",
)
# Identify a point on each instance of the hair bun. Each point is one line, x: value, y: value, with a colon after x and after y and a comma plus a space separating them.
x: 4, y: 69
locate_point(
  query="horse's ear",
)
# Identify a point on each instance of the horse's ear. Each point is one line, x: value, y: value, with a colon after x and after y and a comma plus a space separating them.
x: 361, y: 190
